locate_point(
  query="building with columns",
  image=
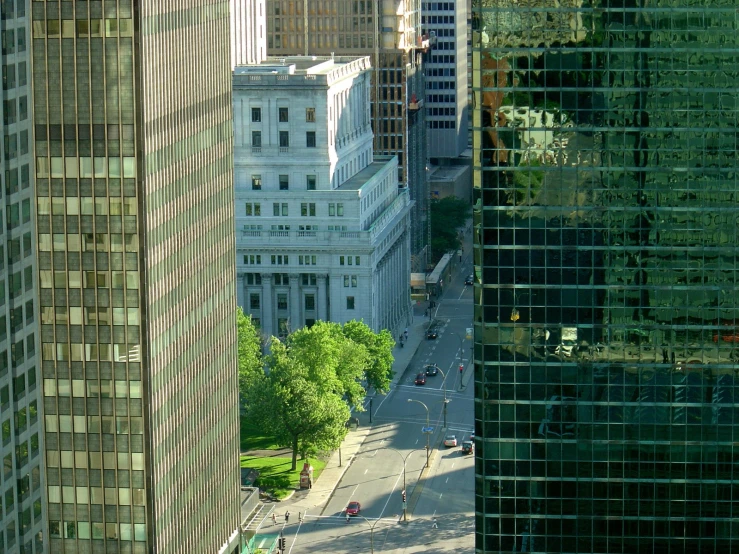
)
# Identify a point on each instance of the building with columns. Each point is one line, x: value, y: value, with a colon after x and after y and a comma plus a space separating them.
x: 323, y: 230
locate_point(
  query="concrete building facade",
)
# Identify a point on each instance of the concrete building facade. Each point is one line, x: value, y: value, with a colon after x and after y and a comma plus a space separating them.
x: 134, y: 206
x: 322, y: 228
x: 22, y: 517
x: 248, y: 32
x: 390, y: 32
x: 447, y: 118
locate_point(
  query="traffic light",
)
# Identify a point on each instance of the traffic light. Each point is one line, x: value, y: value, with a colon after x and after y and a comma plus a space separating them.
x: 461, y: 368
x: 282, y: 543
x: 403, y: 495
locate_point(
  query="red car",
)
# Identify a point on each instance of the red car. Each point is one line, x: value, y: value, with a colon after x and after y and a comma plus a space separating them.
x: 420, y: 379
x: 353, y: 508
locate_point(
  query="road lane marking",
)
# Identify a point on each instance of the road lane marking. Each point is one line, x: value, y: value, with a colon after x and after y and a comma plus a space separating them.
x: 352, y: 494
x: 447, y: 480
x: 389, y: 496
x: 366, y: 470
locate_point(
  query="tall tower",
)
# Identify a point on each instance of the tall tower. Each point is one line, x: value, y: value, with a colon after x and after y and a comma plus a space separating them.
x: 607, y: 311
x: 248, y: 32
x: 21, y: 435
x: 134, y: 196
x: 389, y: 31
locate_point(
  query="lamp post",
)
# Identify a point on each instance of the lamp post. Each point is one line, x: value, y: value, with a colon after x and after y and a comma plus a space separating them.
x: 372, y: 531
x: 427, y: 427
x: 461, y: 357
x: 445, y: 398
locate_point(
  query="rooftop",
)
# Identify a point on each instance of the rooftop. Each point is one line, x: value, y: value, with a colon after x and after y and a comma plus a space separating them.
x: 289, y: 68
x: 357, y: 181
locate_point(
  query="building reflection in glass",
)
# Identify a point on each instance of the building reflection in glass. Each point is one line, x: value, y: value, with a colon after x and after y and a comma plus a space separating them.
x: 606, y: 332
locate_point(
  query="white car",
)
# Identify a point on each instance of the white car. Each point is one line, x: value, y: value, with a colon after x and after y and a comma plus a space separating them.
x: 450, y: 441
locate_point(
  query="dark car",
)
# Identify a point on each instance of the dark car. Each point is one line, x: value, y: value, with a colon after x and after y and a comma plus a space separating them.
x: 353, y: 508
x: 469, y: 280
x: 467, y: 447
x: 432, y: 332
x: 420, y: 379
x: 431, y: 370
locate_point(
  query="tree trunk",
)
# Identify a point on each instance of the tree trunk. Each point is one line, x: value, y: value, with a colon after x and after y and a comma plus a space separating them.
x: 295, y: 452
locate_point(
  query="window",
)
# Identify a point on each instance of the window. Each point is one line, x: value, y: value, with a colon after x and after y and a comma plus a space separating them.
x: 310, y: 182
x: 308, y: 209
x: 283, y: 115
x: 256, y: 182
x: 284, y: 182
x: 310, y: 139
x: 276, y: 209
x: 284, y: 139
x: 252, y: 259
x: 310, y: 302
x: 254, y: 301
x: 346, y: 281
x: 336, y: 210
x: 340, y: 210
x: 281, y: 278
x: 307, y: 260
x: 256, y: 139
x: 279, y: 259
x: 310, y: 115
x: 282, y: 301
x: 253, y: 208
x: 309, y: 279
x: 356, y: 260
x: 349, y: 302
x: 253, y: 278
x: 354, y: 281
x: 256, y: 115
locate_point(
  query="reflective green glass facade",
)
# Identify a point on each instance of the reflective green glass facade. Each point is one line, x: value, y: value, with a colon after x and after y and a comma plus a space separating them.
x: 134, y: 206
x: 606, y: 303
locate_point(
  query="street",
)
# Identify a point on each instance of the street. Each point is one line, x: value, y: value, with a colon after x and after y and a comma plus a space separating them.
x: 440, y: 501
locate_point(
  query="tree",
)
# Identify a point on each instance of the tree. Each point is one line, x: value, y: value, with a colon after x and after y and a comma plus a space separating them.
x: 447, y: 215
x: 293, y: 408
x: 379, y: 347
x: 251, y: 364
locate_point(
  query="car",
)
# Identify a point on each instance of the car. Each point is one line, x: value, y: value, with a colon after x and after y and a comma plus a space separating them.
x: 432, y: 332
x: 420, y: 379
x: 469, y: 280
x: 467, y: 447
x: 450, y: 441
x: 431, y: 370
x: 353, y: 508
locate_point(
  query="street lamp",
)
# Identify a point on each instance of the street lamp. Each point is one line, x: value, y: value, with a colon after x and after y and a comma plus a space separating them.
x: 428, y: 426
x: 445, y: 398
x: 372, y: 531
x: 405, y: 459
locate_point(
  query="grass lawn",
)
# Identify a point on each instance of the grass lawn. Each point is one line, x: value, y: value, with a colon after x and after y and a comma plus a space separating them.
x: 275, y: 475
x: 253, y: 438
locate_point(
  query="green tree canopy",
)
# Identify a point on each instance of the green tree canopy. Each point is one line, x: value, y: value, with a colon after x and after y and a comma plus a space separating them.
x: 380, y: 349
x: 447, y: 215
x: 251, y: 364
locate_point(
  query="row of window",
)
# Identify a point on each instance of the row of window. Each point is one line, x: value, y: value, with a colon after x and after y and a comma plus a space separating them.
x: 87, y: 530
x: 91, y: 388
x: 280, y: 209
x: 15, y: 111
x: 284, y: 139
x: 13, y: 40
x: 283, y: 182
x: 438, y: 6
x: 441, y: 72
x: 445, y: 58
x: 443, y: 85
x: 308, y: 279
x: 303, y: 259
x: 85, y: 167
x: 442, y: 32
x: 12, y: 9
x: 82, y: 28
x: 283, y: 115
x: 437, y: 19
x: 441, y: 98
x: 442, y: 124
x: 15, y: 145
x: 309, y: 301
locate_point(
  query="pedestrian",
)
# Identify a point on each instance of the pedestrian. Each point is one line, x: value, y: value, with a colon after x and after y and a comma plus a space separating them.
x: 300, y: 517
x: 347, y: 518
x: 274, y: 518
x: 405, y: 333
x: 287, y: 517
x: 434, y: 525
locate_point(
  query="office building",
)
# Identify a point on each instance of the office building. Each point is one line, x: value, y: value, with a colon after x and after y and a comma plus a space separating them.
x: 248, y: 32
x: 389, y: 31
x: 447, y: 118
x: 134, y: 206
x: 607, y: 398
x: 21, y: 484
x: 322, y: 229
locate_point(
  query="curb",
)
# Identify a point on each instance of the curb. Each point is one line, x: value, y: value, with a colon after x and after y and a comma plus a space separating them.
x: 422, y: 478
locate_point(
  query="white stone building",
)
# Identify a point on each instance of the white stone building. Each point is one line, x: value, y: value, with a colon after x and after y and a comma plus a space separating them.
x: 322, y: 226
x: 248, y: 31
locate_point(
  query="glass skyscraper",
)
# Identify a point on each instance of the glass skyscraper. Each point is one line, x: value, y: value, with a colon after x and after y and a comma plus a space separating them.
x: 134, y: 207
x: 606, y: 303
x: 21, y: 446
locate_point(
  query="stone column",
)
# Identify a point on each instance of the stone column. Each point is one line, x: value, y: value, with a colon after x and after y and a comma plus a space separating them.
x: 241, y: 292
x: 267, y: 309
x: 321, y: 301
x: 295, y: 321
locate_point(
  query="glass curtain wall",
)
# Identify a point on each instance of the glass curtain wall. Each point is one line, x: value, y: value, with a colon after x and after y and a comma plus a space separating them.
x: 606, y: 302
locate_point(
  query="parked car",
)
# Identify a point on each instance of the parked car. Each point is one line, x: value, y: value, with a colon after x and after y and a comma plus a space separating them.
x: 420, y: 379
x: 432, y: 332
x: 431, y: 370
x: 467, y: 447
x: 353, y: 508
x: 450, y: 441
x: 469, y: 280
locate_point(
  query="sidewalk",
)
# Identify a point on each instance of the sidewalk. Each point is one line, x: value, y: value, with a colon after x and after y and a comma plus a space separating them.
x: 314, y: 499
